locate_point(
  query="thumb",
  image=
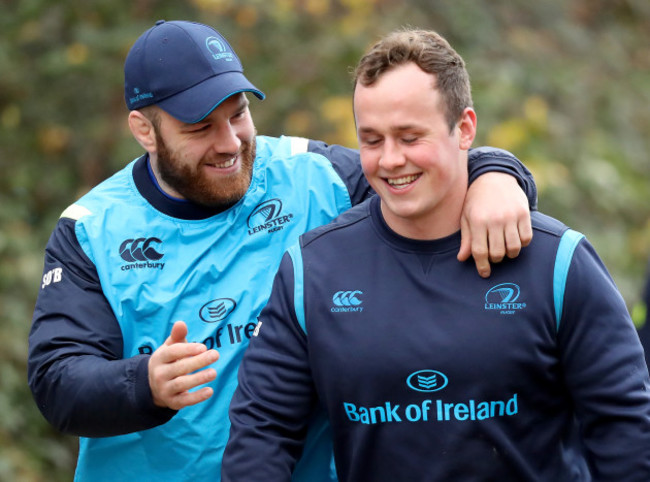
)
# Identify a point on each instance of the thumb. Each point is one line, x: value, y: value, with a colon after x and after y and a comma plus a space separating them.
x: 465, y: 241
x: 178, y: 334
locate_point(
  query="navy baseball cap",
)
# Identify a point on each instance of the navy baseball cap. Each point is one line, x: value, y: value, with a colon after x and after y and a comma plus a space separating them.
x: 186, y: 68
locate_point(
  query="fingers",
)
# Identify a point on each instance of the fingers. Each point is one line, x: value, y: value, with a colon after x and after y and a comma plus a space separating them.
x: 175, y: 392
x: 186, y: 399
x: 170, y: 382
x: 495, y: 222
x: 178, y: 334
x: 184, y: 361
x: 480, y: 254
x: 525, y: 230
x: 513, y: 242
x: 177, y: 367
x: 490, y: 241
x: 465, y: 241
x: 474, y: 241
x: 168, y: 353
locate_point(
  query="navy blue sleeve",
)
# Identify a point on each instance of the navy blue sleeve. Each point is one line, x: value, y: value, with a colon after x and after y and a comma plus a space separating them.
x: 491, y: 159
x: 347, y: 164
x: 275, y: 397
x: 76, y: 372
x: 481, y: 160
x: 605, y: 372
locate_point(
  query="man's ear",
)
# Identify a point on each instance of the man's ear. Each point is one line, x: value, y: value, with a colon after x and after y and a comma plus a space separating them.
x: 467, y: 127
x: 143, y: 131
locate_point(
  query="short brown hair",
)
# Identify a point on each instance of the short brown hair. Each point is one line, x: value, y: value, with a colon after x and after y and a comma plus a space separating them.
x: 429, y: 51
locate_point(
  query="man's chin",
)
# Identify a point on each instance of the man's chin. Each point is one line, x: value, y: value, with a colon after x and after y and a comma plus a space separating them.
x: 217, y: 201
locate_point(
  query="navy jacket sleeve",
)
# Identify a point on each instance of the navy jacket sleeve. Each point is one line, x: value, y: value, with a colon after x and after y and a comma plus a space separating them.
x: 76, y: 372
x: 480, y: 160
x: 605, y: 372
x: 275, y: 397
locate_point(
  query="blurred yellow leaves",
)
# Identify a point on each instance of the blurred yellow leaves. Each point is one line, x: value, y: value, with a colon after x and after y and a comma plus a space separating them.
x: 246, y: 17
x: 508, y: 135
x: 76, y: 54
x: 216, y: 6
x: 335, y: 113
x: 512, y: 134
x: 299, y: 123
x: 54, y: 139
x: 639, y: 313
x: 354, y: 9
x: 517, y: 134
x: 536, y: 112
x: 10, y: 117
x: 547, y: 172
x: 338, y: 112
x: 317, y: 7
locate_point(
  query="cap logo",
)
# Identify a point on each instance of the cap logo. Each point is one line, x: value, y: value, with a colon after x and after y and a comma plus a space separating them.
x: 217, y: 49
x: 138, y: 96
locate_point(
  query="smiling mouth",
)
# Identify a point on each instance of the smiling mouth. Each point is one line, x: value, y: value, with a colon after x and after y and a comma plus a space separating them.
x: 225, y: 164
x: 402, y: 182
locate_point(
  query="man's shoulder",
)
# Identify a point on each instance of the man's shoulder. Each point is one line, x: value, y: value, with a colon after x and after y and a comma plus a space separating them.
x: 110, y: 193
x: 283, y: 146
x: 290, y: 147
x: 544, y: 223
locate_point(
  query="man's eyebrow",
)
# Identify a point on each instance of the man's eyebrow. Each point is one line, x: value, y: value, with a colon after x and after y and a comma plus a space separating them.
x: 366, y: 130
x: 401, y: 128
x: 243, y: 102
x: 404, y: 127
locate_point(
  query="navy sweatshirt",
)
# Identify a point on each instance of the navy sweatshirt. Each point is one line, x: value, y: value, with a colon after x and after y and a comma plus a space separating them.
x: 428, y: 372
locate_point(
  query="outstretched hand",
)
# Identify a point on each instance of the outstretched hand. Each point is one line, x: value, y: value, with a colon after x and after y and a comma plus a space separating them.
x: 495, y: 221
x: 173, y: 370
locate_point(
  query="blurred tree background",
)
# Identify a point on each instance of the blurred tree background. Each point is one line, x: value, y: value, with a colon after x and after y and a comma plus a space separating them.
x: 563, y: 84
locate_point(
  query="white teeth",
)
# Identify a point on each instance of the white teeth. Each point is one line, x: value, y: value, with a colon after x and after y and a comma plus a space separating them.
x: 402, y: 182
x: 225, y: 164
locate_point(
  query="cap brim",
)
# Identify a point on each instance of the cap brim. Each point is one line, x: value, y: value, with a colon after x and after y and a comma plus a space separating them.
x: 194, y: 104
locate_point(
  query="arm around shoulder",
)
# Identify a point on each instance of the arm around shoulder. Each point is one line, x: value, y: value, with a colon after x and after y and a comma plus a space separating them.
x: 491, y: 159
x: 495, y: 221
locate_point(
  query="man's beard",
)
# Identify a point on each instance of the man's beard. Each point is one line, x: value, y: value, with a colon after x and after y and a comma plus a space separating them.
x: 189, y: 182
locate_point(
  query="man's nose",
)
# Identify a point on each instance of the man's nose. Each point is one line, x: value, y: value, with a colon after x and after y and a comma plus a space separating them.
x: 392, y: 156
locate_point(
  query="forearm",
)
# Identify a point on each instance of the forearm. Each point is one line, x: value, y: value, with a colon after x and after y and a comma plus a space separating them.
x: 490, y: 159
x: 90, y: 396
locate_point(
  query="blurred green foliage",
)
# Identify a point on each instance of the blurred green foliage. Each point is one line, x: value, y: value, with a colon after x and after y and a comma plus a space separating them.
x: 564, y: 84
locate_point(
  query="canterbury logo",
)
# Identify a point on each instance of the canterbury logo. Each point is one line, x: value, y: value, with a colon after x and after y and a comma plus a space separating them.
x: 140, y: 249
x: 347, y: 298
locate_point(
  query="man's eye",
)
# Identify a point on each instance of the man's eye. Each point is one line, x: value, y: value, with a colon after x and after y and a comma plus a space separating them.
x: 409, y: 140
x: 239, y: 115
x: 201, y: 128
